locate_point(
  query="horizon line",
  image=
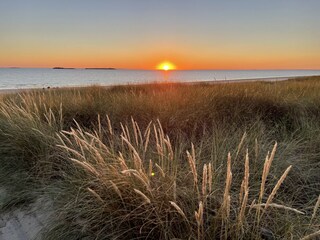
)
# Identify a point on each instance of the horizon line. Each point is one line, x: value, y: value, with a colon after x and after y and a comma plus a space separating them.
x: 146, y: 69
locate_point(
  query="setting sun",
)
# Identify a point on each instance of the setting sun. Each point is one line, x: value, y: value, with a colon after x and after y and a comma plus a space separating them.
x: 166, y: 66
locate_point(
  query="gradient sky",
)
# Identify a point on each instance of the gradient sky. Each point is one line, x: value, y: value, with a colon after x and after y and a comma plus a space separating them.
x: 193, y: 34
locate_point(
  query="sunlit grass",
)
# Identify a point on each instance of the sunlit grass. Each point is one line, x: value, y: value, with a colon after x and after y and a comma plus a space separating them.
x: 164, y: 161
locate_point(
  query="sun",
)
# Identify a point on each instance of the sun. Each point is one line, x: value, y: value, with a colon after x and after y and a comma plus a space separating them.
x: 166, y: 66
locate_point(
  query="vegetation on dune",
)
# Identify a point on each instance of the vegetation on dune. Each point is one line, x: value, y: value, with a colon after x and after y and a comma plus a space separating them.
x: 167, y: 161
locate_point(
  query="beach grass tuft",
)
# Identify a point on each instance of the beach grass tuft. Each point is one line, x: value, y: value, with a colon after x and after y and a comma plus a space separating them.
x: 167, y: 161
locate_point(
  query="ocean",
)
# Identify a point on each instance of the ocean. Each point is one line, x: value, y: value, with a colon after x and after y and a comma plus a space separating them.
x: 19, y: 78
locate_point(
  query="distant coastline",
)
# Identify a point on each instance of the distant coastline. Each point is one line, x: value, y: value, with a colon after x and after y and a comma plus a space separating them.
x: 61, y: 68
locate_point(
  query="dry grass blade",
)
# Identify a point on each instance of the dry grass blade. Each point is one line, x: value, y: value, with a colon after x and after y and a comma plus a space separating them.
x: 75, y: 152
x: 228, y: 207
x: 245, y: 183
x: 116, y: 189
x: 266, y: 169
x: 147, y: 129
x: 98, y: 157
x: 315, y: 209
x: 156, y: 135
x: 137, y: 162
x: 242, y: 211
x: 124, y: 132
x: 150, y: 171
x: 251, y: 205
x: 193, y: 152
x: 226, y: 196
x: 139, y: 176
x: 169, y: 147
x: 199, y: 219
x: 62, y: 137
x: 204, y: 180
x: 143, y: 196
x: 95, y: 194
x: 139, y: 132
x: 274, y: 205
x: 79, y: 129
x: 312, y: 236
x: 143, y: 180
x: 241, y: 192
x: 61, y: 116
x: 129, y: 171
x: 135, y: 153
x: 246, y: 172
x: 210, y: 177
x: 161, y: 132
x: 147, y: 137
x: 179, y: 210
x: 160, y: 170
x: 277, y: 186
x: 96, y: 139
x: 87, y: 167
x: 78, y: 140
x: 99, y: 127
x: 192, y: 164
x: 135, y: 131
x: 273, y: 152
x: 109, y: 125
x: 122, y: 162
x: 128, y: 133
x: 199, y: 214
x: 241, y: 143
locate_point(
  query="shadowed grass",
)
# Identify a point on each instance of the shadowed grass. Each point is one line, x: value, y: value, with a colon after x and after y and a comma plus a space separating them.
x: 166, y: 174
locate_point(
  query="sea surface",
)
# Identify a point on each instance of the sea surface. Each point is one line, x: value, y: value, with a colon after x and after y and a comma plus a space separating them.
x: 17, y: 78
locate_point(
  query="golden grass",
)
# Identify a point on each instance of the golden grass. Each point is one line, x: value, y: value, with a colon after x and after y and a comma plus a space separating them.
x: 277, y: 186
x: 172, y: 175
x: 312, y: 236
x: 138, y: 174
x: 315, y: 209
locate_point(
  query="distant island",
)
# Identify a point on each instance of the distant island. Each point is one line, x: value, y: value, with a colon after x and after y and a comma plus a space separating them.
x: 61, y: 68
x: 100, y: 68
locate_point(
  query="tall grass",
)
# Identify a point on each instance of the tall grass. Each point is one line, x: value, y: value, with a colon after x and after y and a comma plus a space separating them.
x: 141, y: 189
x: 166, y: 161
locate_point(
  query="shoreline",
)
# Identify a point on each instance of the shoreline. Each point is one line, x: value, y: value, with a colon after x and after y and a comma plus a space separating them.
x: 269, y: 79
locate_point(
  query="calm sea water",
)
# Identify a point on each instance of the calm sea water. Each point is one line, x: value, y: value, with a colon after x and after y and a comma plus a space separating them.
x: 15, y: 78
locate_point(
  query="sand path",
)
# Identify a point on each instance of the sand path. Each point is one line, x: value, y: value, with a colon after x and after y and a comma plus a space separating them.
x: 25, y: 223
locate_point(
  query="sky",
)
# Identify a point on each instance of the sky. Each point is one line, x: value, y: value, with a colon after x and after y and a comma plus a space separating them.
x: 139, y: 34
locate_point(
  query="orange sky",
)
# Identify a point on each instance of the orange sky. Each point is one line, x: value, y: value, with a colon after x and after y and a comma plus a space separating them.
x: 140, y: 35
x: 206, y: 58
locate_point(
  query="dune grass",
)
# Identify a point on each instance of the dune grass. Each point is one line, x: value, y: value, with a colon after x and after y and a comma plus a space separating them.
x: 167, y: 161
